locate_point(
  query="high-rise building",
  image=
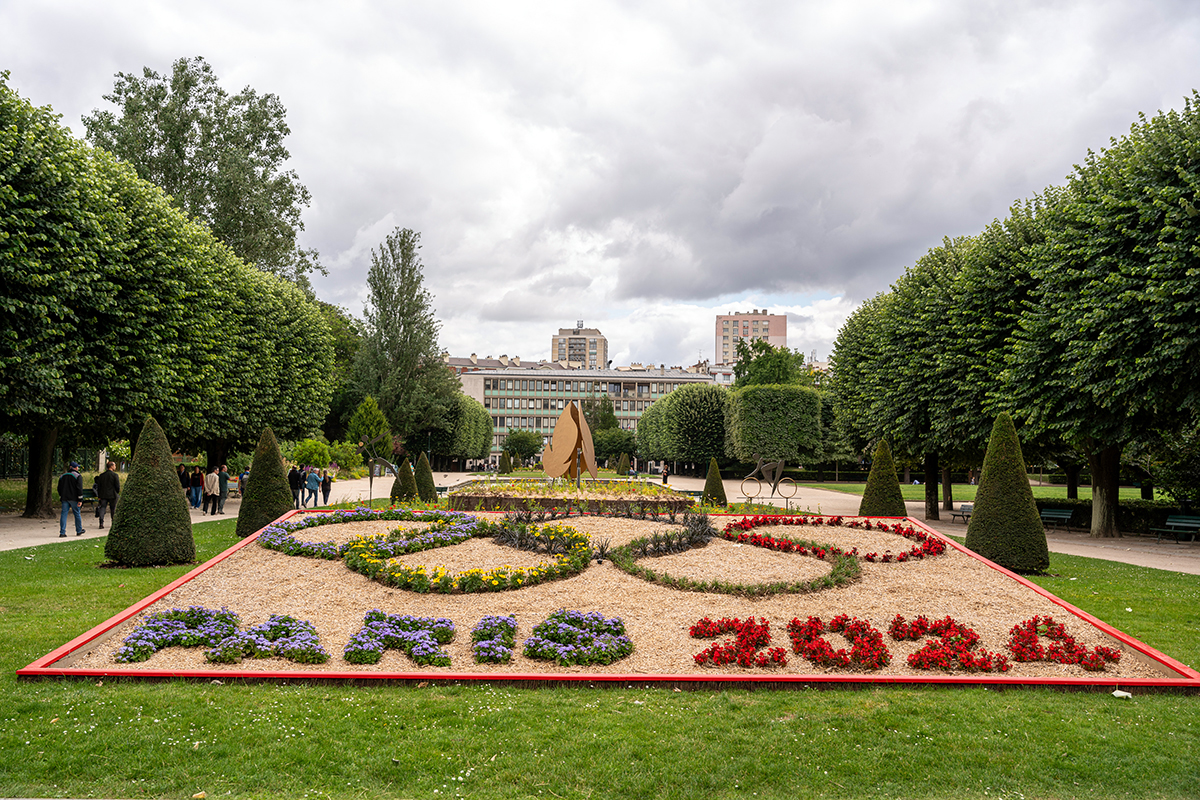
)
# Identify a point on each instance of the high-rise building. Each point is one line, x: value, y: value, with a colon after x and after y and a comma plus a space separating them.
x: 750, y: 325
x: 583, y: 347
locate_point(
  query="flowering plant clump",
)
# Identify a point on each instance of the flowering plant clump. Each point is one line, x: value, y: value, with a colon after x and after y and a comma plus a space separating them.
x: 494, y: 639
x: 1025, y: 645
x: 927, y: 545
x: 421, y: 638
x: 283, y: 636
x: 280, y: 537
x: 573, y: 637
x: 376, y: 560
x: 868, y: 651
x: 844, y: 568
x: 954, y: 647
x: 180, y: 627
x: 748, y: 649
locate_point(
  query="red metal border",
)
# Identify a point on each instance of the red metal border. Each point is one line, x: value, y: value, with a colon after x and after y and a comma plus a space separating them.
x: 1189, y: 678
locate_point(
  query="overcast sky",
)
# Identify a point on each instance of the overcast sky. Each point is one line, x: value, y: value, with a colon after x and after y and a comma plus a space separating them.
x: 644, y: 166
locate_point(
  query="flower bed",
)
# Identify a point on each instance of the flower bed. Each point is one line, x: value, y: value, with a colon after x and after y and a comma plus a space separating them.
x: 284, y: 636
x: 928, y: 545
x: 418, y: 637
x: 562, y: 498
x: 573, y: 637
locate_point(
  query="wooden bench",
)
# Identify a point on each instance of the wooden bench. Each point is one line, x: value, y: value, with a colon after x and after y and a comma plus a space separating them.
x: 1179, y: 524
x: 964, y: 511
x: 89, y: 496
x: 1057, y: 516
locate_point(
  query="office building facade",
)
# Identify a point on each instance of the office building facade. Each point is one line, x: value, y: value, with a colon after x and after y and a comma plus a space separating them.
x: 581, y: 347
x: 750, y: 325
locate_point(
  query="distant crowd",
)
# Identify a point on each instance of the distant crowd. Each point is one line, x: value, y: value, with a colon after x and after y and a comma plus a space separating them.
x: 306, y: 483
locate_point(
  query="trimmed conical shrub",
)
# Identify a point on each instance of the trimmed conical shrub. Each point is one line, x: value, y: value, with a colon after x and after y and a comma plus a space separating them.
x: 1005, y: 526
x: 404, y: 488
x: 505, y: 464
x: 623, y: 464
x: 424, y: 476
x: 882, y: 497
x: 151, y: 523
x: 267, y: 495
x: 714, y: 489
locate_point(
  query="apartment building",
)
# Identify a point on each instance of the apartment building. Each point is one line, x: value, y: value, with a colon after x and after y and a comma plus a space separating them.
x: 751, y: 325
x: 521, y: 399
x: 581, y: 347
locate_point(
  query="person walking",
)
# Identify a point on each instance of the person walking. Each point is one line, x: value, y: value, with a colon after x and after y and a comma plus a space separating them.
x: 70, y: 492
x: 185, y: 482
x: 326, y: 485
x: 212, y: 488
x: 295, y: 481
x: 108, y: 488
x: 223, y: 488
x: 197, y: 485
x: 312, y: 483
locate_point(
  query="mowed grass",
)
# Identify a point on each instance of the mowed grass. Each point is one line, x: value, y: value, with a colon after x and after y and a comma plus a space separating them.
x: 127, y: 739
x: 965, y: 492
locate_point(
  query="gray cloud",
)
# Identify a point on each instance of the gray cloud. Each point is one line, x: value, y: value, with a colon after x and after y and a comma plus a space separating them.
x: 644, y: 168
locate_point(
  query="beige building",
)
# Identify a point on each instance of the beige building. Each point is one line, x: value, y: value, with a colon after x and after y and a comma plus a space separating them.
x: 750, y: 325
x: 584, y: 348
x: 533, y: 399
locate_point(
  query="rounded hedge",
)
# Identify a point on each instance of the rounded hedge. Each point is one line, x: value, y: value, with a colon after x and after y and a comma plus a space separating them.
x: 151, y: 523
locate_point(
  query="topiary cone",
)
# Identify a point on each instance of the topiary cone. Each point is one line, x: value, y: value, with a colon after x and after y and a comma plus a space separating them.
x: 1005, y: 525
x: 714, y: 488
x: 267, y: 495
x: 424, y: 476
x: 623, y: 464
x: 404, y: 488
x: 151, y: 523
x: 882, y: 497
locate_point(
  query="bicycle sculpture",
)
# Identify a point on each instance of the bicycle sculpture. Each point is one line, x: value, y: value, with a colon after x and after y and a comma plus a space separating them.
x: 772, y: 473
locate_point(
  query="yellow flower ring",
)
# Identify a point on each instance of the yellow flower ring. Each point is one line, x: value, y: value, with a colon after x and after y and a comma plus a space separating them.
x: 377, y: 558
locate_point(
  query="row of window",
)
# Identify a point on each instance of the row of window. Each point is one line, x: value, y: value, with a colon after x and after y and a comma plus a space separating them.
x: 593, y: 387
x: 540, y: 424
x: 552, y: 404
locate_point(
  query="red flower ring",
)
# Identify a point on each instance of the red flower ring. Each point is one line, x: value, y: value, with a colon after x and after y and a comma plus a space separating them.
x: 740, y: 532
x: 954, y: 647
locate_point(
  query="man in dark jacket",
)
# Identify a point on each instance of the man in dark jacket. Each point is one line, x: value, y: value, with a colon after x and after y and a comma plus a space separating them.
x: 70, y: 492
x: 295, y: 481
x: 222, y: 488
x: 108, y: 488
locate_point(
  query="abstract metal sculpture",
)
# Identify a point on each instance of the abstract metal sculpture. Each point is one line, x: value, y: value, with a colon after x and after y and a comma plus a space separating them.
x: 570, y: 452
x: 771, y: 472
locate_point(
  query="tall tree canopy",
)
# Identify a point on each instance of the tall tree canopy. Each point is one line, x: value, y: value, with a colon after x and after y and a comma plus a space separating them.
x: 760, y: 363
x: 399, y: 361
x: 220, y: 157
x: 118, y: 307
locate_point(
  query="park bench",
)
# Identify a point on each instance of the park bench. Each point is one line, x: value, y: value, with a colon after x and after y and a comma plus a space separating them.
x: 1179, y: 524
x: 1056, y: 517
x: 89, y: 496
x: 964, y: 511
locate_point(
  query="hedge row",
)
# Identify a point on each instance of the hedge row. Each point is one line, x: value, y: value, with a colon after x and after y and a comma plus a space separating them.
x: 1133, y: 516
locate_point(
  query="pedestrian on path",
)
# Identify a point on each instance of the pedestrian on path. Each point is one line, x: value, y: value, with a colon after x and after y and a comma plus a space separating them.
x: 108, y: 488
x: 313, y: 484
x: 212, y: 489
x: 197, y: 486
x: 223, y: 489
x: 295, y: 481
x: 326, y: 485
x: 70, y: 492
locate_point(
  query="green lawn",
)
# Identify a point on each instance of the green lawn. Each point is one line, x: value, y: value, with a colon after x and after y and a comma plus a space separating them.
x: 965, y: 492
x: 128, y: 739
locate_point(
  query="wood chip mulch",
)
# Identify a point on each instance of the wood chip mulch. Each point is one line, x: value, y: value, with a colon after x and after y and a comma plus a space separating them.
x: 256, y: 582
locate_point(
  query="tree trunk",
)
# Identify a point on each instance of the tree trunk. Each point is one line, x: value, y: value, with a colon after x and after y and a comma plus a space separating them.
x: 1106, y: 473
x: 1073, y: 471
x: 907, y: 475
x: 38, y: 502
x: 947, y: 490
x: 216, y: 452
x: 1147, y: 488
x: 931, y: 488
